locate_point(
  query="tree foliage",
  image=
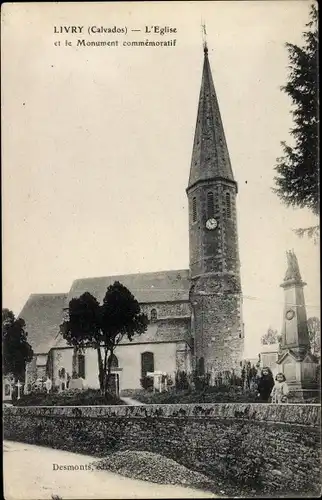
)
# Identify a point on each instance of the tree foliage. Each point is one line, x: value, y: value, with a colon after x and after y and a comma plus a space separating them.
x: 297, y: 176
x: 270, y: 337
x: 16, y: 349
x: 314, y: 327
x: 103, y: 326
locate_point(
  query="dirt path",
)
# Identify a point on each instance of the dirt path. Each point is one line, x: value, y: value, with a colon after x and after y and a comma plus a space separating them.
x: 132, y: 402
x: 29, y: 475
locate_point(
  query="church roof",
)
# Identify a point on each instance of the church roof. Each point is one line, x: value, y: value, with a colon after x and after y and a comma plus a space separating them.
x: 210, y: 157
x: 161, y: 286
x: 43, y: 313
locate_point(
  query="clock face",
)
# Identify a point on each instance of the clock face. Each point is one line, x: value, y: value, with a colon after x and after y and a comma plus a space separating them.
x: 211, y: 224
x: 290, y: 314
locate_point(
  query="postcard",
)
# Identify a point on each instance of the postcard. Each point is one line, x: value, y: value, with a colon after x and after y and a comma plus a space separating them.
x: 161, y: 301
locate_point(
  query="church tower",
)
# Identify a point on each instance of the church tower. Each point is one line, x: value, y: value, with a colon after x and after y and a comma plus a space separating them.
x: 213, y: 240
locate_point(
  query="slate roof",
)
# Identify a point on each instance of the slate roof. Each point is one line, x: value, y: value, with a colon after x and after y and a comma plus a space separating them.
x: 210, y: 156
x: 43, y: 313
x: 162, y: 286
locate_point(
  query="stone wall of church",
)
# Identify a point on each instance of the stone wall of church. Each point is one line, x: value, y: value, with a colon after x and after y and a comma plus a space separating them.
x: 62, y: 358
x: 31, y: 371
x: 219, y: 336
x: 173, y: 329
x: 278, y: 446
x: 167, y: 309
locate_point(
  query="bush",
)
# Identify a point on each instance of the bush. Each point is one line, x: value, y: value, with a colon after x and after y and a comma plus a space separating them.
x: 201, y: 382
x: 181, y: 381
x: 221, y: 394
x: 147, y: 383
x: 72, y: 397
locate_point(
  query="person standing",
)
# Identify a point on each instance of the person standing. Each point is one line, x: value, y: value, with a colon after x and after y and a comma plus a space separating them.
x: 280, y: 390
x: 265, y: 385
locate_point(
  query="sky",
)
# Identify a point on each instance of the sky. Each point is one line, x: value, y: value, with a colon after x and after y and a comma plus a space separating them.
x: 97, y: 143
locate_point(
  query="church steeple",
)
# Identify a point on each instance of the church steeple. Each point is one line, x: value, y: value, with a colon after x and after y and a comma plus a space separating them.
x: 210, y: 157
x: 213, y: 239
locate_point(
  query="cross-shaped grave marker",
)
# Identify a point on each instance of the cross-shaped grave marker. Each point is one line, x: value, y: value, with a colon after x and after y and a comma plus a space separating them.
x: 157, y: 379
x: 19, y: 385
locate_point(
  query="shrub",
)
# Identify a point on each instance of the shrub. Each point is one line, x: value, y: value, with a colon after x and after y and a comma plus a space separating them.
x: 201, y: 382
x: 220, y: 394
x: 72, y: 397
x: 181, y: 381
x: 147, y: 383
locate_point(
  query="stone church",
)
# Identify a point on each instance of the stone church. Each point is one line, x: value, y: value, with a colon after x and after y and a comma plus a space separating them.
x: 195, y: 314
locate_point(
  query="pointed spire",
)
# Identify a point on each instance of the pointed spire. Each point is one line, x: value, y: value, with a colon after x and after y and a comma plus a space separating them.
x: 210, y: 157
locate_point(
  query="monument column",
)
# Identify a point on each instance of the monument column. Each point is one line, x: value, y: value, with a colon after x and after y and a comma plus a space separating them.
x: 295, y: 360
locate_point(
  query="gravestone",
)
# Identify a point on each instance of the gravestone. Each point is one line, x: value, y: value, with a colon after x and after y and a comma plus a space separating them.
x: 48, y: 385
x: 157, y: 380
x: 76, y: 384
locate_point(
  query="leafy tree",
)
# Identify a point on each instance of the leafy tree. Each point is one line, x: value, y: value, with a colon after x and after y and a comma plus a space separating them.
x: 270, y: 337
x: 297, y: 176
x: 314, y: 327
x: 103, y: 326
x: 16, y: 349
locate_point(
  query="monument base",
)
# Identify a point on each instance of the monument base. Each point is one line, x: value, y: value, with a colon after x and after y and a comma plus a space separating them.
x: 300, y: 394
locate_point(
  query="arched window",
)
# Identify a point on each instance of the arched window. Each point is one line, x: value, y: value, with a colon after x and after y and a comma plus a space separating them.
x: 194, y: 209
x: 147, y: 363
x: 154, y: 315
x: 228, y: 205
x: 210, y: 205
x: 115, y: 362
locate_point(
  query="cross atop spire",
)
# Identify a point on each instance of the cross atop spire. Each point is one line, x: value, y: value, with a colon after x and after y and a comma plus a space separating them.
x: 204, y: 37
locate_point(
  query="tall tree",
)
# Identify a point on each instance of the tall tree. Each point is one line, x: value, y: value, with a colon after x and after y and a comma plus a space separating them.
x: 314, y: 327
x: 270, y: 337
x: 16, y: 349
x: 297, y: 176
x: 102, y: 327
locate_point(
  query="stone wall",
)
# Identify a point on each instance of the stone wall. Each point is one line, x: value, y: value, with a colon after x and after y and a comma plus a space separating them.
x: 167, y: 309
x: 272, y: 448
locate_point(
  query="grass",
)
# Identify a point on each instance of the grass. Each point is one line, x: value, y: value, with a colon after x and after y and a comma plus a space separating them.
x: 89, y: 397
x: 219, y: 394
